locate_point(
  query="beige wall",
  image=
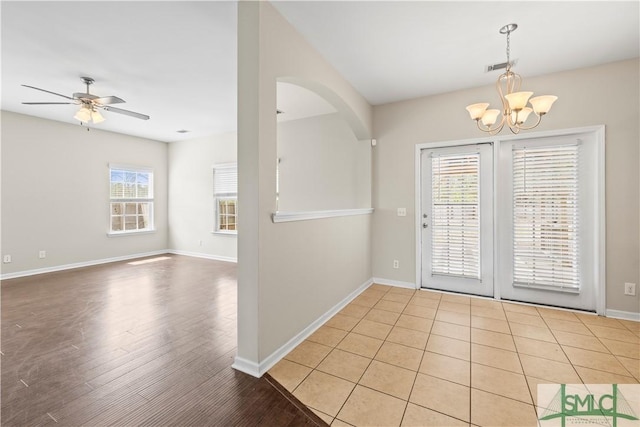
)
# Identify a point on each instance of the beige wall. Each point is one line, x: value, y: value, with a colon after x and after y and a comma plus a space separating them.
x: 191, y: 205
x: 55, y: 193
x: 289, y: 274
x: 607, y: 94
x: 322, y: 165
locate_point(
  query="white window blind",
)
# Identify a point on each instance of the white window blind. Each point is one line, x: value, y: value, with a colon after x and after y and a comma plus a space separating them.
x: 545, y: 217
x: 225, y: 193
x: 225, y: 179
x: 455, y: 221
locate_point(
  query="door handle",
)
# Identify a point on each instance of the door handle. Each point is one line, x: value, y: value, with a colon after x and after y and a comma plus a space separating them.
x: 424, y: 225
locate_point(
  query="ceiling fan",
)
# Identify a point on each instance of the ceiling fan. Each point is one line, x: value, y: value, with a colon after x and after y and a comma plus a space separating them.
x: 89, y: 104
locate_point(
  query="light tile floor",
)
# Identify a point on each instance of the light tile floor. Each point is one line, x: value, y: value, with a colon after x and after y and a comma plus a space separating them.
x: 400, y: 357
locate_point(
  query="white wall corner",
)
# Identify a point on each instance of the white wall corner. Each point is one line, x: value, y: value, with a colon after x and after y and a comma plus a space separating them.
x: 396, y: 283
x: 625, y: 315
x: 277, y: 355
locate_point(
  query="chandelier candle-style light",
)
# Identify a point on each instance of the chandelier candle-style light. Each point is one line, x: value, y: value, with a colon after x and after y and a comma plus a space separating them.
x: 515, y: 110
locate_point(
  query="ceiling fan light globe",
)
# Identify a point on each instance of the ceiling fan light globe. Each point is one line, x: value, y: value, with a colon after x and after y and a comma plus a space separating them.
x: 83, y: 115
x: 97, y: 117
x: 542, y: 104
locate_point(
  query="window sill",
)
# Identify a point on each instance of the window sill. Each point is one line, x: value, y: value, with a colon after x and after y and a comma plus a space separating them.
x: 129, y: 233
x: 308, y: 215
x: 225, y: 233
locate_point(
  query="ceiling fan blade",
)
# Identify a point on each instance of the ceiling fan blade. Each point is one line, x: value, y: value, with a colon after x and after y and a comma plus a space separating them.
x: 125, y: 112
x: 47, y: 103
x: 48, y: 91
x: 81, y: 95
x: 106, y: 100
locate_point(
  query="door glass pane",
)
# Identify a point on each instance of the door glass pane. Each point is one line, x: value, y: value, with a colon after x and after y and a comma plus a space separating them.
x: 545, y: 217
x: 455, y: 221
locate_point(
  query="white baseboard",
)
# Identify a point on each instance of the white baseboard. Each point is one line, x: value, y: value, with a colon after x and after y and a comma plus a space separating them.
x: 257, y: 370
x: 54, y: 268
x: 246, y: 366
x: 201, y: 255
x: 617, y: 314
x: 396, y: 283
x: 626, y: 315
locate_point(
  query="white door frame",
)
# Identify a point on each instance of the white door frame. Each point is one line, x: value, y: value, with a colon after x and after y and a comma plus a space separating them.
x: 600, y: 223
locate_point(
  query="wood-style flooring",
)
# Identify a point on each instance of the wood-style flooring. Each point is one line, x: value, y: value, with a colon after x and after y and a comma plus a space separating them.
x: 148, y: 342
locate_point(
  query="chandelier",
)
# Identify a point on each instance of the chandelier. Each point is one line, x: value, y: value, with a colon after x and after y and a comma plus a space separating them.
x: 515, y: 110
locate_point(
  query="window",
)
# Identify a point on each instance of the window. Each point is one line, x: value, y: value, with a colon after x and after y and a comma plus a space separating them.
x: 225, y: 193
x: 545, y: 217
x: 131, y: 199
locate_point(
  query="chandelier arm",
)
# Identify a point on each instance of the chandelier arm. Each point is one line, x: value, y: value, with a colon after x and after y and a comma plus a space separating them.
x: 533, y: 125
x: 503, y: 79
x: 496, y: 131
x: 510, y: 122
x: 489, y: 130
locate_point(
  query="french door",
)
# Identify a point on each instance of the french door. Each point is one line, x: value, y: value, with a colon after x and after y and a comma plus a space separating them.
x: 457, y: 219
x: 540, y: 236
x: 547, y: 209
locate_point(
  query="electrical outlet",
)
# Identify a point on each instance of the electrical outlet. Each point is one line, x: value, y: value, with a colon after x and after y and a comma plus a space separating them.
x: 6, y: 259
x: 630, y: 289
x: 396, y: 263
x: 42, y: 254
x: 402, y: 211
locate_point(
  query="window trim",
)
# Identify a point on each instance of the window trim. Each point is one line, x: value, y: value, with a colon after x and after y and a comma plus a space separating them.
x: 224, y: 196
x: 131, y: 168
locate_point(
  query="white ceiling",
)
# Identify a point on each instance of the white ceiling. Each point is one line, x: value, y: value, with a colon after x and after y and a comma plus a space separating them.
x: 392, y: 50
x: 176, y: 61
